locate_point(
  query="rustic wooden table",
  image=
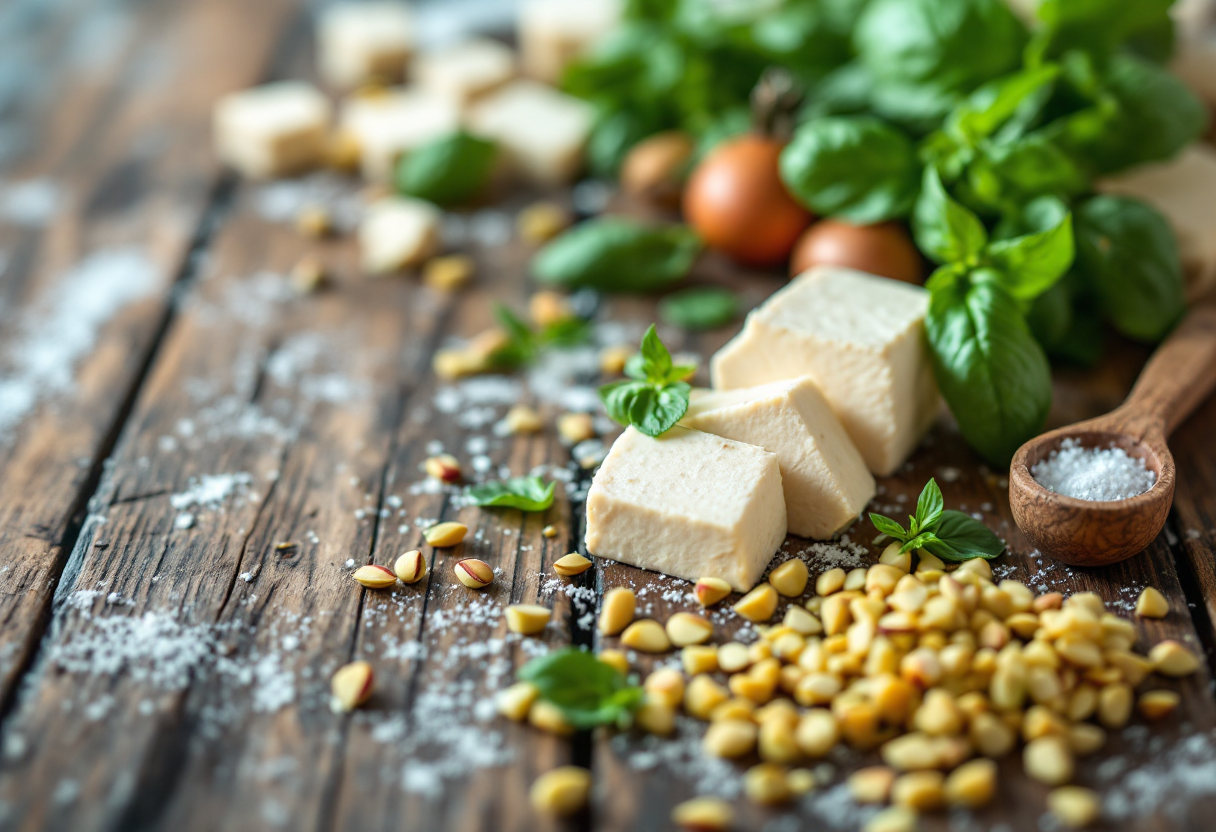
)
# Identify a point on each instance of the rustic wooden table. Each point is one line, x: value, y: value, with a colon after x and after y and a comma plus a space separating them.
x: 170, y: 413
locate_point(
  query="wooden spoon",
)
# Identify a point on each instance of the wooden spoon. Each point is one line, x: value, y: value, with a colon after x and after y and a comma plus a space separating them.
x: 1093, y: 533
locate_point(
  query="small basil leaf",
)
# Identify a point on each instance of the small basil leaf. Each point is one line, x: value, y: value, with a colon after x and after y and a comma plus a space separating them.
x: 449, y: 170
x: 659, y: 410
x: 1030, y: 265
x: 655, y: 398
x: 991, y: 371
x: 917, y: 542
x: 961, y: 537
x: 656, y: 360
x: 523, y: 493
x: 618, y: 398
x: 588, y: 691
x: 929, y: 505
x: 944, y: 229
x: 993, y: 104
x: 889, y: 527
x: 699, y: 308
x: 854, y: 167
x: 617, y: 255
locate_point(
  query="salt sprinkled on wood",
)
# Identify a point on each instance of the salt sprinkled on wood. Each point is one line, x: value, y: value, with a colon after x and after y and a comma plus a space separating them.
x: 1093, y: 473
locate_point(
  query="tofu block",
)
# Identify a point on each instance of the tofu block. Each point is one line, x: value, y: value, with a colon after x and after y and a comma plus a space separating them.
x: 552, y: 33
x: 273, y: 130
x: 540, y: 131
x: 396, y: 233
x: 360, y: 42
x: 687, y: 504
x: 861, y: 338
x: 825, y: 480
x: 1195, y: 63
x: 389, y: 125
x: 466, y: 71
x: 1184, y: 190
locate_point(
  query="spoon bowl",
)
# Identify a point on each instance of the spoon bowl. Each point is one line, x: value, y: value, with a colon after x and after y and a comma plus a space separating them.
x: 1098, y: 532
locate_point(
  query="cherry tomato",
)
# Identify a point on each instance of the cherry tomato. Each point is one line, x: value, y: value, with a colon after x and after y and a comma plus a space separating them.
x: 884, y: 249
x: 737, y: 203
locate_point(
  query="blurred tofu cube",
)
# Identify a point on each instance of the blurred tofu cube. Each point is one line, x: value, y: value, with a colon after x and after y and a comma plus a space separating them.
x: 359, y: 42
x: 465, y: 71
x: 1195, y: 63
x: 1184, y: 191
x: 396, y: 233
x: 540, y: 131
x: 387, y: 126
x: 273, y: 130
x: 552, y: 33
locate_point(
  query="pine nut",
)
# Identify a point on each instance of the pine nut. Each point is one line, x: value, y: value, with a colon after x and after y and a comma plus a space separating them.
x: 410, y: 567
x: 730, y: 738
x: 911, y: 752
x: 703, y: 814
x: 656, y: 716
x: 561, y: 792
x: 1085, y: 738
x: 776, y: 741
x: 474, y: 573
x: 1041, y: 721
x: 619, y: 605
x: 733, y: 657
x: 668, y: 683
x: 891, y: 556
x: 801, y: 781
x: 515, y: 701
x: 575, y: 427
x: 443, y: 535
x: 882, y: 577
x: 647, y: 636
x: 855, y: 580
x: 1152, y: 604
x: 765, y: 784
x: 548, y: 308
x: 872, y: 784
x: 613, y: 359
x: 758, y: 605
x: 616, y: 660
x: 702, y: 695
x: 830, y: 581
x: 972, y: 785
x: 527, y: 619
x: 710, y: 591
x: 351, y: 686
x: 1115, y: 706
x: 802, y: 622
x: 1048, y: 760
x: 737, y: 708
x: 572, y: 564
x: 835, y: 615
x: 790, y: 578
x: 699, y: 659
x: 685, y: 628
x: 817, y: 733
x: 817, y: 688
x: 893, y: 819
x: 938, y: 715
x: 374, y: 576
x: 444, y: 468
x: 921, y: 791
x: 1074, y: 806
x: 1157, y: 704
x: 547, y: 717
x: 990, y: 736
x: 541, y: 222
x: 522, y: 419
x: 1172, y: 659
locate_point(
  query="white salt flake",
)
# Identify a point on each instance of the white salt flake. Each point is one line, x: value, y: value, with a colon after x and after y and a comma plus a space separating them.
x: 1093, y: 473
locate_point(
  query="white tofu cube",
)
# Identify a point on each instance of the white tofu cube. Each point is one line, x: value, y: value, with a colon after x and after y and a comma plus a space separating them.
x: 272, y: 130
x: 825, y: 480
x: 541, y: 132
x: 387, y: 126
x: 1184, y: 190
x: 552, y: 33
x: 360, y: 42
x: 396, y: 233
x: 465, y: 71
x: 862, y: 339
x: 687, y: 504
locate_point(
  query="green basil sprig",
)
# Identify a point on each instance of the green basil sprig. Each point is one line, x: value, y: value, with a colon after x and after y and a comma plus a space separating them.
x: 587, y: 691
x: 989, y: 367
x: 655, y: 396
x: 948, y: 534
x: 698, y: 308
x: 523, y: 493
x: 618, y: 255
x: 525, y: 344
x: 449, y: 170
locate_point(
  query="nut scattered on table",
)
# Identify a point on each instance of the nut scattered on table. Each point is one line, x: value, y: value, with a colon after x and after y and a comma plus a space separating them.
x: 527, y: 619
x: 613, y: 359
x: 1152, y: 604
x: 410, y: 567
x: 686, y: 628
x: 790, y: 578
x: 443, y: 535
x: 351, y: 686
x: 522, y: 419
x: 443, y: 467
x: 541, y: 222
x: 448, y: 273
x: 572, y: 564
x: 549, y: 531
x: 759, y: 604
x: 474, y: 573
x: 617, y: 610
x: 646, y: 635
x: 703, y: 814
x: 710, y: 591
x: 375, y: 576
x: 516, y: 701
x: 561, y: 792
x: 549, y: 308
x: 575, y: 427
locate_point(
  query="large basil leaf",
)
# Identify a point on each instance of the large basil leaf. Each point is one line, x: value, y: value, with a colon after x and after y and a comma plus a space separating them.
x: 1100, y: 26
x: 961, y: 537
x: 698, y: 308
x: 1030, y: 265
x: 1127, y: 256
x: 588, y: 692
x: 991, y: 371
x: 449, y: 170
x: 618, y: 255
x: 523, y: 493
x: 854, y: 167
x: 945, y: 231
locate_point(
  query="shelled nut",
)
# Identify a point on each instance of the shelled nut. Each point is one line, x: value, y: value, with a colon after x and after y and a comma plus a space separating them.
x: 646, y: 635
x: 572, y: 564
x: 790, y: 578
x: 375, y: 576
x: 685, y: 628
x: 351, y: 686
x: 522, y: 419
x: 515, y: 702
x: 473, y: 573
x: 561, y: 792
x: 617, y: 612
x: 527, y: 619
x: 759, y: 604
x: 1152, y: 604
x: 710, y: 591
x: 410, y: 567
x: 444, y: 467
x: 444, y: 535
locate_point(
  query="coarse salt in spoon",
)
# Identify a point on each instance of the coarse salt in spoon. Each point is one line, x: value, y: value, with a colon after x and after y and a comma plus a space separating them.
x: 1087, y: 532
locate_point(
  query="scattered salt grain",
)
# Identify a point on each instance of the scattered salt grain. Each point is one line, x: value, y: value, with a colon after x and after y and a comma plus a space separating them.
x: 1093, y: 473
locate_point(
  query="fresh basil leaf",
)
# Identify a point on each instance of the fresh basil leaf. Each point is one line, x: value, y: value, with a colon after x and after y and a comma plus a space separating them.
x: 1084, y: 342
x: 854, y: 167
x: 1099, y: 26
x: 951, y: 46
x: 617, y: 255
x: 699, y: 308
x: 945, y: 230
x: 1030, y: 265
x: 523, y: 493
x: 991, y: 371
x: 917, y: 542
x: 929, y: 505
x: 655, y: 397
x: 656, y: 360
x: 889, y: 527
x: 618, y: 398
x: 992, y: 105
x: 588, y: 691
x: 1050, y: 316
x: 657, y: 409
x: 1128, y: 257
x: 523, y: 345
x: 449, y: 170
x: 961, y: 537
x: 1007, y: 175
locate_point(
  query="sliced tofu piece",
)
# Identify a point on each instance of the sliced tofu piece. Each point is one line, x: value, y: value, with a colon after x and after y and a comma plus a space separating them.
x: 861, y: 338
x: 688, y: 504
x: 552, y: 33
x: 273, y: 130
x: 396, y: 233
x: 825, y: 480
x: 360, y: 42
x: 465, y: 71
x: 389, y: 125
x: 540, y: 131
x: 1184, y: 190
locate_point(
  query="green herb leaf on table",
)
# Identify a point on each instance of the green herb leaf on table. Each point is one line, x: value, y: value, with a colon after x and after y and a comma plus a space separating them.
x: 950, y: 535
x: 449, y: 170
x: 945, y: 230
x: 524, y: 344
x: 1032, y: 264
x: 655, y: 396
x: 618, y: 255
x: 698, y: 308
x: 587, y: 691
x: 523, y: 493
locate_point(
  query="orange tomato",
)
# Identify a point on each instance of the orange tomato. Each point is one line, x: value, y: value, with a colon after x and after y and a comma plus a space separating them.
x: 737, y: 203
x: 884, y: 249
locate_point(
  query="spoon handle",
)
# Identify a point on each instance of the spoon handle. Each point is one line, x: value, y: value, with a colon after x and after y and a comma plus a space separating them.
x: 1179, y: 376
